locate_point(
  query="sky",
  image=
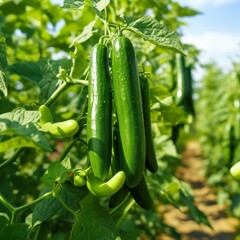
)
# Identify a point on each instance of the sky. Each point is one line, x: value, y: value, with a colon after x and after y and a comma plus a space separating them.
x: 216, y: 31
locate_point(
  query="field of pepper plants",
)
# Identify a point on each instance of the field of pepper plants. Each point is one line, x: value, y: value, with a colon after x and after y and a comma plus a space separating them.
x: 98, y: 108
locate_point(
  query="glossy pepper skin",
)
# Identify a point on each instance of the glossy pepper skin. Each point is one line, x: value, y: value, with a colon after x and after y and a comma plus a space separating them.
x: 127, y: 95
x: 99, y: 116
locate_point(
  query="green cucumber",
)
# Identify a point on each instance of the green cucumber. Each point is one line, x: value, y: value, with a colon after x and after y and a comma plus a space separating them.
x: 182, y: 88
x: 151, y: 160
x: 188, y: 101
x: 171, y: 76
x: 175, y: 132
x: 127, y: 95
x: 237, y: 127
x: 141, y: 195
x: 99, y: 120
x: 117, y: 198
x: 228, y: 144
x: 115, y: 159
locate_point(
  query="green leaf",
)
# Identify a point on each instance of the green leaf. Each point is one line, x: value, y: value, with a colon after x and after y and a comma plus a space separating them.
x: 72, y: 195
x: 3, y: 59
x: 235, y: 207
x: 20, y: 122
x: 169, y: 149
x: 55, y: 172
x: 173, y: 115
x: 93, y: 222
x: 67, y: 163
x: 18, y: 6
x: 3, y: 85
x: 27, y: 70
x: 79, y: 61
x: 50, y: 207
x: 15, y: 231
x: 21, y: 116
x: 169, y: 112
x: 46, y: 209
x: 151, y: 30
x: 173, y: 187
x: 181, y: 11
x: 4, y: 219
x: 197, y: 214
x: 16, y: 142
x: 129, y: 230
x: 28, y: 131
x: 73, y: 4
x: 100, y: 5
x: 84, y: 36
x: 50, y: 82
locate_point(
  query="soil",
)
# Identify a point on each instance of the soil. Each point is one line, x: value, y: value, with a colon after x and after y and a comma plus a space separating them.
x: 224, y: 227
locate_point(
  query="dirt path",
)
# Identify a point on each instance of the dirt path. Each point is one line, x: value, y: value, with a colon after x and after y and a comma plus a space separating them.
x: 205, y: 199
